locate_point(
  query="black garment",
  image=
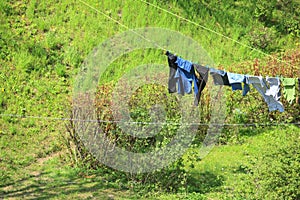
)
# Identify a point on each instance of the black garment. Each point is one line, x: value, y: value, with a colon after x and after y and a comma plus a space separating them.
x: 225, y: 80
x: 202, y: 80
x: 173, y: 68
x: 220, y: 77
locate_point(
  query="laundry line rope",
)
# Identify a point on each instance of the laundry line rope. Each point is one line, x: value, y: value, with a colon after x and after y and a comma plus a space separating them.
x: 155, y: 123
x: 121, y: 24
x: 148, y: 123
x: 210, y: 30
x: 182, y: 18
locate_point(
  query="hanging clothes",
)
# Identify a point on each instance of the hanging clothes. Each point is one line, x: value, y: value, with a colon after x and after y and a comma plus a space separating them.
x: 236, y: 80
x: 270, y: 94
x: 173, y: 68
x: 289, y: 89
x: 219, y: 76
x: 274, y: 89
x: 202, y: 76
x: 186, y: 76
x: 181, y: 76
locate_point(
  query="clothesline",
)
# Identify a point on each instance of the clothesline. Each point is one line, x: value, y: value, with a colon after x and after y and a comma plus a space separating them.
x: 184, y: 73
x: 201, y: 85
x: 124, y: 26
x: 149, y: 123
x: 182, y: 18
x: 212, y: 31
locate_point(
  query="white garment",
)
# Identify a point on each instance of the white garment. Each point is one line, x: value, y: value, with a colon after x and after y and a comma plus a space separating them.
x: 271, y: 94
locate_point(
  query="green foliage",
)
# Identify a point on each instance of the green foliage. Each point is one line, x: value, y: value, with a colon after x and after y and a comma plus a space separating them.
x: 172, y: 178
x: 274, y: 172
x: 262, y: 38
x: 279, y: 178
x: 284, y: 15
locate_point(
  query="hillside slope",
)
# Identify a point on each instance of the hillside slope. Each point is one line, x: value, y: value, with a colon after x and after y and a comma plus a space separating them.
x: 43, y: 44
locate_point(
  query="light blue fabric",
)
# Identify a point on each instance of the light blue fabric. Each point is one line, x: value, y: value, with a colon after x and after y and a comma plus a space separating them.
x: 270, y: 94
x: 184, y: 83
x: 217, y: 71
x: 186, y: 76
x: 236, y: 80
x: 274, y: 89
x: 184, y: 64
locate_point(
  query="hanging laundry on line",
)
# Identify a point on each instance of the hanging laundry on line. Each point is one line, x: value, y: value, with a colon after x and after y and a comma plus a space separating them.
x: 270, y: 94
x: 183, y: 74
x: 202, y: 76
x: 220, y: 77
x: 289, y: 85
x: 236, y: 80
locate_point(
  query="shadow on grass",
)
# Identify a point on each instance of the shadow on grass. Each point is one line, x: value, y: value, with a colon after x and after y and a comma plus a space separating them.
x: 238, y: 135
x: 70, y: 185
x: 63, y: 186
x: 204, y: 182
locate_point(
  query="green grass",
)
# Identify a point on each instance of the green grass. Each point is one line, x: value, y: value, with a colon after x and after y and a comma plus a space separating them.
x: 220, y: 174
x: 48, y: 178
x: 42, y: 45
x: 222, y: 170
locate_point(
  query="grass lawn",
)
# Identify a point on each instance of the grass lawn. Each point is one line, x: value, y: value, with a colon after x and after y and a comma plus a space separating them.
x: 50, y: 177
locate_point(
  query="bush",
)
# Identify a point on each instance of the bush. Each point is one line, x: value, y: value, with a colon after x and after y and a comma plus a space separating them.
x: 283, y: 15
x: 274, y: 174
x: 171, y: 178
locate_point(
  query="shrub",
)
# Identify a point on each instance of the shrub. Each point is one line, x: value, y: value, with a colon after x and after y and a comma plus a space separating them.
x: 171, y: 178
x: 274, y: 174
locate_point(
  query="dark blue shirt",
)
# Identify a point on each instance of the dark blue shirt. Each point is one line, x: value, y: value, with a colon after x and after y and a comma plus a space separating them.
x: 185, y: 75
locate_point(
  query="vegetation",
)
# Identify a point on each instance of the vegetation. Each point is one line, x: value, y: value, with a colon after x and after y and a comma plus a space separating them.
x: 42, y: 46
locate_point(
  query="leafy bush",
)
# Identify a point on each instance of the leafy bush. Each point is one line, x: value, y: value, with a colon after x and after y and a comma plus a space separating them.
x: 284, y: 15
x: 242, y: 110
x: 171, y: 178
x: 274, y: 173
x: 262, y: 38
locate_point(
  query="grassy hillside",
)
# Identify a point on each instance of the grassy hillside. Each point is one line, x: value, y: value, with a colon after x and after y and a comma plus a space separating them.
x: 42, y: 46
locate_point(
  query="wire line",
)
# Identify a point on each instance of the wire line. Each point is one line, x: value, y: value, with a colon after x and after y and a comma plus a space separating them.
x: 124, y: 26
x: 154, y: 123
x: 147, y: 123
x: 215, y: 32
